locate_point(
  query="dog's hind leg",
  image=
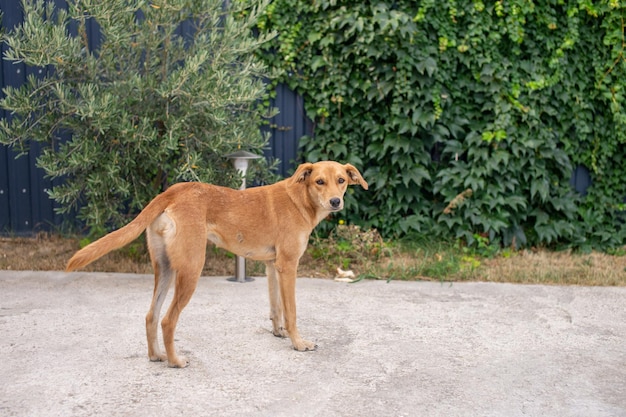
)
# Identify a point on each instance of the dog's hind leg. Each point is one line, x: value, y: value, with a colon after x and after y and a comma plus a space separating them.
x: 162, y: 282
x: 163, y: 275
x: 186, y: 255
x: 186, y: 282
x: 276, y: 305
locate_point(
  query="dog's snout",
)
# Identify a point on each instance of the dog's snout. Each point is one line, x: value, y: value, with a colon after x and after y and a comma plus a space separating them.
x: 335, y: 202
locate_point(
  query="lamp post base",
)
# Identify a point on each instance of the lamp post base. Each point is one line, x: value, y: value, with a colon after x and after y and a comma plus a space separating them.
x: 240, y: 271
x: 243, y: 281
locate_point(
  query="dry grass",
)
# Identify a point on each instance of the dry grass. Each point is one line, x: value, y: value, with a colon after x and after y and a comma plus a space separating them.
x: 376, y: 260
x: 51, y: 252
x: 543, y: 267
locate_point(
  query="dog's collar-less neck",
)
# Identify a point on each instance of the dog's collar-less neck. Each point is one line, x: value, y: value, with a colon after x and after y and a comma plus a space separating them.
x: 307, y: 211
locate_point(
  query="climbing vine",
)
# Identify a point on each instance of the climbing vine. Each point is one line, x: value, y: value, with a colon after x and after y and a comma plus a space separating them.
x: 505, y: 98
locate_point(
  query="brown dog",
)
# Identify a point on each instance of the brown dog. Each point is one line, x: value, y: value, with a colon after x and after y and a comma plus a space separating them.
x: 270, y: 223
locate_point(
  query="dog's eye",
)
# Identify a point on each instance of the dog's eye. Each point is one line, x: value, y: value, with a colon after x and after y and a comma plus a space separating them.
x: 341, y: 180
x: 319, y: 182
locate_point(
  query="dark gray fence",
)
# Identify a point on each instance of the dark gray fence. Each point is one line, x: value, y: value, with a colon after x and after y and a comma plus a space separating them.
x: 24, y: 204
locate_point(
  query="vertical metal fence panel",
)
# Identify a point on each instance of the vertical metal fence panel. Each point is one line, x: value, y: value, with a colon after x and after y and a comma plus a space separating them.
x: 4, y: 173
x: 581, y: 179
x: 5, y: 212
x: 286, y: 128
x: 18, y: 176
x: 4, y: 186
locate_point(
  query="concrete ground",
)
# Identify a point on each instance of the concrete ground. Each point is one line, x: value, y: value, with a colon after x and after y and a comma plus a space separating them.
x: 74, y: 345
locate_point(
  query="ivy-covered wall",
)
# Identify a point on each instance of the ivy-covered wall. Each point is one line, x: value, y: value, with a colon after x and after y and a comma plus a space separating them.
x: 436, y: 98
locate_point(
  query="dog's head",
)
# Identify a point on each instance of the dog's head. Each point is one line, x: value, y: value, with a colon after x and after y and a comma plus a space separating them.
x: 327, y: 182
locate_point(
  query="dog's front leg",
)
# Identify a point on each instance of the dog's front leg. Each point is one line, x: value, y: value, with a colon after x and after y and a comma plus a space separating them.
x: 287, y: 282
x: 276, y: 305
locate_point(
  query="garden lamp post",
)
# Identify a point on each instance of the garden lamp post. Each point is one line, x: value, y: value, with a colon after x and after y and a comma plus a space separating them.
x: 240, y: 161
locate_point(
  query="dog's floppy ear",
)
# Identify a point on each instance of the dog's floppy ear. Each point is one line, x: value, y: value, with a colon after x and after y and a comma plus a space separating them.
x: 303, y: 172
x: 355, y: 176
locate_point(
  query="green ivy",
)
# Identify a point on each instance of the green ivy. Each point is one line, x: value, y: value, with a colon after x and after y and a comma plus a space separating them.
x: 432, y: 98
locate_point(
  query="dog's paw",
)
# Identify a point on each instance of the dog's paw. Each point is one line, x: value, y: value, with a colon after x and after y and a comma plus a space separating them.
x: 158, y: 357
x: 280, y: 332
x: 305, y: 346
x: 179, y: 362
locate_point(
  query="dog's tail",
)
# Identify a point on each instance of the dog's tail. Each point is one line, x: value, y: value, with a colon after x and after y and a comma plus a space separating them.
x: 120, y: 237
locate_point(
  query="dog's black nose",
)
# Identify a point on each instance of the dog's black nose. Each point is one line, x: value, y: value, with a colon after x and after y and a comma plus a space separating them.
x: 335, y: 202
